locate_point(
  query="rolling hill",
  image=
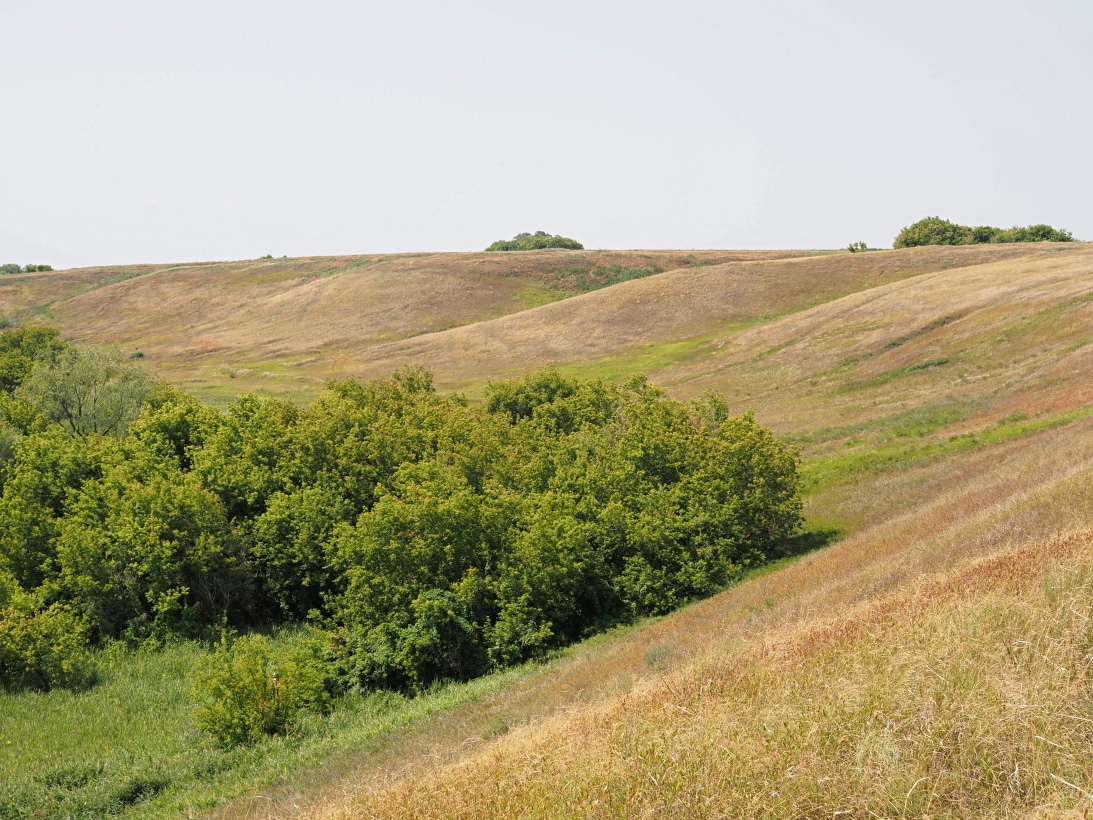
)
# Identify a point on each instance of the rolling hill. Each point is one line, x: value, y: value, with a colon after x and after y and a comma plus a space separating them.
x: 286, y: 325
x: 925, y: 653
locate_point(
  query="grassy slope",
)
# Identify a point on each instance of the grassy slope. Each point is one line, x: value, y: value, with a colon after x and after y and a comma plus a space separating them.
x: 926, y: 467
x: 284, y: 325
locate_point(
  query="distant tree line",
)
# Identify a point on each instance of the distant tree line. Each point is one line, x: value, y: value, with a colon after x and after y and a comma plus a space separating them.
x: 535, y: 241
x: 936, y: 231
x: 421, y: 537
x: 11, y: 267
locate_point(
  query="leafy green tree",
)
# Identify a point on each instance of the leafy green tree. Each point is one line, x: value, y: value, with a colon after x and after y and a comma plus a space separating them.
x: 88, y: 391
x: 933, y: 230
x: 1033, y: 233
x: 936, y: 231
x: 47, y: 469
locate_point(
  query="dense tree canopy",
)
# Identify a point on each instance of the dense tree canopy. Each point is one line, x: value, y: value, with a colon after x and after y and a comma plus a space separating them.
x: 431, y: 538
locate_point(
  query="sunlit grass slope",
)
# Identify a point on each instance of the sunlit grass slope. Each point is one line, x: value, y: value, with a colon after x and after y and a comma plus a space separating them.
x: 935, y: 664
x: 284, y: 325
x: 662, y: 321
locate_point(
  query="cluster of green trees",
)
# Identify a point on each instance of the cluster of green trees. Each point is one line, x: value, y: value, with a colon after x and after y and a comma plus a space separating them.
x: 535, y: 241
x: 936, y: 231
x: 11, y: 267
x: 421, y: 536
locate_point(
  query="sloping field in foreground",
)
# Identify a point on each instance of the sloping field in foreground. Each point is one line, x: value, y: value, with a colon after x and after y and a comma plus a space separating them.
x: 937, y: 664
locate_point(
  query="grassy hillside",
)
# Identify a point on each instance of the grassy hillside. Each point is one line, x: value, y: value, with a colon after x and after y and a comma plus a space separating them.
x: 285, y: 325
x: 933, y: 661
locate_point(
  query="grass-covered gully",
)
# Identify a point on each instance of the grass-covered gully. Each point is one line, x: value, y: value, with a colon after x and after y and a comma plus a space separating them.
x: 391, y: 537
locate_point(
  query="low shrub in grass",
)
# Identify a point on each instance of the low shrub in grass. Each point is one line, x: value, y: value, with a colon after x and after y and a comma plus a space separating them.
x: 248, y: 688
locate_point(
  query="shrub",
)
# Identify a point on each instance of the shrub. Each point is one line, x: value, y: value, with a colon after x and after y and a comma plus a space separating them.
x: 250, y: 688
x: 936, y: 231
x: 21, y: 348
x: 535, y: 241
x: 1033, y: 233
x: 858, y: 247
x: 11, y: 268
x: 933, y: 230
x: 146, y: 553
x: 40, y: 649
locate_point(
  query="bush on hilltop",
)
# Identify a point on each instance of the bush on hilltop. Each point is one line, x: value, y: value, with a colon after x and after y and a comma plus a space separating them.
x: 936, y: 231
x: 535, y: 241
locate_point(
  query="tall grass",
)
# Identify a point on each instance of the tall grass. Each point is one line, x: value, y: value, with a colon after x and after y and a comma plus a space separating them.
x: 129, y: 745
x: 967, y: 696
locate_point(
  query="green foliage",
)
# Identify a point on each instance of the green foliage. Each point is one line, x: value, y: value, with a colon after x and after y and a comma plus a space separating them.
x: 40, y: 649
x: 858, y: 247
x: 438, y: 540
x: 87, y: 391
x: 933, y: 230
x: 1033, y: 233
x: 936, y: 231
x: 13, y: 268
x: 145, y: 552
x: 249, y: 688
x: 535, y: 241
x: 21, y: 348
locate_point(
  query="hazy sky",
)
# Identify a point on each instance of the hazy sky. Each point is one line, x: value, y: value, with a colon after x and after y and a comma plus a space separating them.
x: 174, y: 131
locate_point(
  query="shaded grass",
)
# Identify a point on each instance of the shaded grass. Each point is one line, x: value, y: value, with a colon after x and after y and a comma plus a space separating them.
x: 129, y: 745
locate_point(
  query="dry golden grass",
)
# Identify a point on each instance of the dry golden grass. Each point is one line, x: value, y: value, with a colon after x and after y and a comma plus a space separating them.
x: 679, y: 309
x: 284, y: 325
x: 936, y: 665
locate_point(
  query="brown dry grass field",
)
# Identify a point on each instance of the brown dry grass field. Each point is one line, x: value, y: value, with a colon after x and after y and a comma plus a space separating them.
x: 934, y: 661
x: 286, y: 325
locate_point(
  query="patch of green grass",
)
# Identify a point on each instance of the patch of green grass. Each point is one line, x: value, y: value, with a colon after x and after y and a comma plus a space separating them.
x: 911, y: 423
x: 820, y: 473
x: 129, y: 745
x: 535, y: 295
x: 895, y: 373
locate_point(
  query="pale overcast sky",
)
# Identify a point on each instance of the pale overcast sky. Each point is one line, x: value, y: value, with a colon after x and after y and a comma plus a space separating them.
x: 176, y: 131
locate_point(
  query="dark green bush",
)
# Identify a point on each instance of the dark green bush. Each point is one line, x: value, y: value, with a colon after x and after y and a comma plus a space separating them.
x: 437, y: 539
x: 535, y: 241
x: 936, y: 231
x: 11, y: 267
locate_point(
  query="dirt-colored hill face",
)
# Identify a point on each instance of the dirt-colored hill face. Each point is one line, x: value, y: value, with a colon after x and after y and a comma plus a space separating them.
x: 283, y: 325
